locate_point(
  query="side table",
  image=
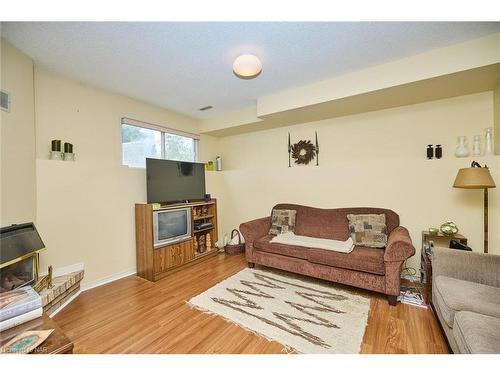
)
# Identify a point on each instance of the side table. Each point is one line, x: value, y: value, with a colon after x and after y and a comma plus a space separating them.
x: 56, y: 343
x: 437, y: 240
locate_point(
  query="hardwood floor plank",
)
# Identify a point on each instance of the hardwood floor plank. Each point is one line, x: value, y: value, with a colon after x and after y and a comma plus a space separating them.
x: 132, y: 315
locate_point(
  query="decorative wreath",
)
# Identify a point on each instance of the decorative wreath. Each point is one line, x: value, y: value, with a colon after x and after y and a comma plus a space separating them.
x: 303, y: 152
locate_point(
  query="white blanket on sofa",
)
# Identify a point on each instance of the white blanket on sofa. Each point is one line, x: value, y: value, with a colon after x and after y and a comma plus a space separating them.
x: 291, y: 238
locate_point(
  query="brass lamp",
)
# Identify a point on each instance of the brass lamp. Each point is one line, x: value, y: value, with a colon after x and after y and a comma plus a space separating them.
x: 477, y: 177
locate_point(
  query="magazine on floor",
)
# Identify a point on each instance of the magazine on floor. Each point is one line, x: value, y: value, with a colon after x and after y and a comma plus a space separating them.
x: 411, y: 296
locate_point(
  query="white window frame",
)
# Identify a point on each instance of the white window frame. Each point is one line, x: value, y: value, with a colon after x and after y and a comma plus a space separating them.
x: 163, y: 130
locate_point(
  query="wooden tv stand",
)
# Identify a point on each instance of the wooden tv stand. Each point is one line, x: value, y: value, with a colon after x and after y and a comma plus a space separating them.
x: 156, y: 263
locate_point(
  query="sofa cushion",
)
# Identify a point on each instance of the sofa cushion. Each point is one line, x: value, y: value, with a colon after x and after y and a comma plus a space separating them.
x: 368, y: 230
x: 263, y: 244
x: 332, y: 223
x: 454, y: 295
x: 365, y: 259
x: 282, y: 221
x: 476, y: 333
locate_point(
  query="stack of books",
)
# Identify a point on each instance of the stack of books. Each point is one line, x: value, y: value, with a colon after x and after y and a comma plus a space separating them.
x: 411, y: 296
x: 19, y: 306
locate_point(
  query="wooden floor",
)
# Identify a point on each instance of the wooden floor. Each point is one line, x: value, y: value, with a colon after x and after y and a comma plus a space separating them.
x: 133, y: 315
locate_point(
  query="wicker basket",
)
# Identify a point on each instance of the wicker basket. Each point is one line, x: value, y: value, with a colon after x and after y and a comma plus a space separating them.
x: 235, y: 249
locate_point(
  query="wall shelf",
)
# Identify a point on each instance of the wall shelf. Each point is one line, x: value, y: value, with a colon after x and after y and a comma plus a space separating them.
x: 196, y: 231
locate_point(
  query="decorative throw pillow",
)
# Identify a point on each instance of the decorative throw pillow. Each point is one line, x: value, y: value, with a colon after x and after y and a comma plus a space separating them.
x: 282, y: 221
x: 368, y: 230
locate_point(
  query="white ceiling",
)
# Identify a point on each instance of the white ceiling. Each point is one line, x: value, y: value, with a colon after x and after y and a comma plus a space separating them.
x: 185, y: 66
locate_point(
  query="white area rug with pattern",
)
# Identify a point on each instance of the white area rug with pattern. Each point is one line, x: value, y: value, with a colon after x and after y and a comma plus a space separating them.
x: 308, y: 316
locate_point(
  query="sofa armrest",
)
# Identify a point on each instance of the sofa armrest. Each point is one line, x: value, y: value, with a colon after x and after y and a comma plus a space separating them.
x: 399, y: 246
x: 253, y: 230
x: 466, y: 265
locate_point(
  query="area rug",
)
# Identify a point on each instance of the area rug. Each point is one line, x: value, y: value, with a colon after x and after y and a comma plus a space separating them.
x: 303, y: 315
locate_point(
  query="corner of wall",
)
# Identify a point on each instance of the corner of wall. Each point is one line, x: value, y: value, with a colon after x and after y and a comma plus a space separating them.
x: 18, y: 190
x: 496, y: 118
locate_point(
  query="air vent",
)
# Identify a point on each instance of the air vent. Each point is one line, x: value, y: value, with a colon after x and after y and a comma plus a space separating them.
x: 205, y: 108
x: 5, y: 101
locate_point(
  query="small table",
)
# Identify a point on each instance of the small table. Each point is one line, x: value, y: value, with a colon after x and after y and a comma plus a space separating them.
x: 56, y: 343
x: 439, y: 240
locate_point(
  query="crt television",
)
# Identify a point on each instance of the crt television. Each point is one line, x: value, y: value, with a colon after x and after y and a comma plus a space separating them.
x: 174, y: 181
x: 171, y: 226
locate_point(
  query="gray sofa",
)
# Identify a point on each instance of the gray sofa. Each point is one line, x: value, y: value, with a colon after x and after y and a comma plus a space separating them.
x: 466, y: 299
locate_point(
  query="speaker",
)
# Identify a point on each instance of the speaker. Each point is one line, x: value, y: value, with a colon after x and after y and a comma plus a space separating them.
x: 208, y: 198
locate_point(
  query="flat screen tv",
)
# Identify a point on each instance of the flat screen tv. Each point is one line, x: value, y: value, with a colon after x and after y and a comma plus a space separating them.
x: 174, y: 181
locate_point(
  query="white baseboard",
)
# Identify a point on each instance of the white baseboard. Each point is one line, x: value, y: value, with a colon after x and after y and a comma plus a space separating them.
x: 68, y: 269
x: 106, y: 280
x: 92, y: 284
x: 65, y: 270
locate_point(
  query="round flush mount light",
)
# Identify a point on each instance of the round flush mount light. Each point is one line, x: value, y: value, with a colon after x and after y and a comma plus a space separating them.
x: 247, y: 66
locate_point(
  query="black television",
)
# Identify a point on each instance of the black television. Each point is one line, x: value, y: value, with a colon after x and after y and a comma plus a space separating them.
x: 171, y: 181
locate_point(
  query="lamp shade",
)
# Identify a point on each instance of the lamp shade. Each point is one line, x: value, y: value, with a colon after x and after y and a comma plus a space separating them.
x: 474, y: 178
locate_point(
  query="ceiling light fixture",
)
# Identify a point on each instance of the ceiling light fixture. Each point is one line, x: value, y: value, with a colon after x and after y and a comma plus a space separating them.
x: 247, y: 66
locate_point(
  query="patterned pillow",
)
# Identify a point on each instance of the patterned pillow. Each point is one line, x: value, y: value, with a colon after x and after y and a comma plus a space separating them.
x: 368, y: 230
x: 282, y: 221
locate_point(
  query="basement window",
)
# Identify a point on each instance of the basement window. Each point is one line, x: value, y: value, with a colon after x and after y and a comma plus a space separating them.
x: 141, y: 140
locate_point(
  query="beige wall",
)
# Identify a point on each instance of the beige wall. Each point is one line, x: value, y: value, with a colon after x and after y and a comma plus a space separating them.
x: 18, y: 197
x: 86, y: 208
x: 496, y: 115
x: 373, y: 159
x: 209, y: 150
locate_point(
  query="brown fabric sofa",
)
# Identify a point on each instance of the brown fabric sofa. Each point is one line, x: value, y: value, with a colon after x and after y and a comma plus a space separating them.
x: 368, y: 268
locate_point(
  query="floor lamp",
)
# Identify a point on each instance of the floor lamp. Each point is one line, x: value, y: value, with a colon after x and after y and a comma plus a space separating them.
x: 477, y: 177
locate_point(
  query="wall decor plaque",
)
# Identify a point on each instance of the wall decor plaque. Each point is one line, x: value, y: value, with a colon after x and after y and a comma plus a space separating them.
x: 303, y: 152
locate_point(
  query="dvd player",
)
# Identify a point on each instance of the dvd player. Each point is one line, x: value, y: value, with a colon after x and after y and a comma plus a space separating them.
x: 200, y: 226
